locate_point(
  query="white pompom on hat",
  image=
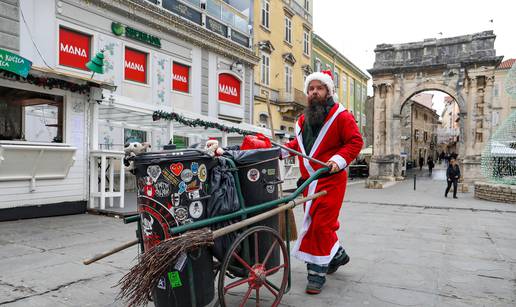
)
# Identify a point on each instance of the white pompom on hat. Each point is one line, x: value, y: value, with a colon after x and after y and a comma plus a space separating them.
x: 326, y: 78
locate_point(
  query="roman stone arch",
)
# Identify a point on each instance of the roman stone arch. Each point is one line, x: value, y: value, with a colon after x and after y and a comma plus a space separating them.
x: 463, y: 67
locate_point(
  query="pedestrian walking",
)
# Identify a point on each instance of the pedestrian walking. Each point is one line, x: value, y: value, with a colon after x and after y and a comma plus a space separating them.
x: 441, y: 157
x: 327, y: 132
x: 452, y: 177
x: 430, y: 163
x: 421, y: 162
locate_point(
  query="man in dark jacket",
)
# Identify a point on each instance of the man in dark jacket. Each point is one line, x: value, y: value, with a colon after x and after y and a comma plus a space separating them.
x: 431, y: 164
x: 452, y: 176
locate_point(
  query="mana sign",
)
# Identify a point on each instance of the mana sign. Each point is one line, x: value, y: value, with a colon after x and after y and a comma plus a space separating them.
x: 229, y: 88
x: 74, y: 48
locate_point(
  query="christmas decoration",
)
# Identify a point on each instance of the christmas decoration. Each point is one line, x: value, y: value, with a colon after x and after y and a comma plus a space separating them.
x: 96, y: 65
x: 48, y: 83
x: 198, y: 123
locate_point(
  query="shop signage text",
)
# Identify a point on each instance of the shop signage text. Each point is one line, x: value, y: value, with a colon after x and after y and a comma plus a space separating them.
x: 183, y: 10
x: 74, y: 48
x: 216, y: 27
x: 119, y: 30
x: 135, y: 65
x: 180, y: 77
x: 229, y: 88
x: 14, y: 63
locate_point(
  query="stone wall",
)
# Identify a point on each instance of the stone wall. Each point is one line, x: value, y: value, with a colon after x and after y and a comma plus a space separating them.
x: 495, y: 192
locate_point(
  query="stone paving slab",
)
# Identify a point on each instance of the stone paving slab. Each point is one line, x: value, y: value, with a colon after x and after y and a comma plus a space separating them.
x: 401, y: 255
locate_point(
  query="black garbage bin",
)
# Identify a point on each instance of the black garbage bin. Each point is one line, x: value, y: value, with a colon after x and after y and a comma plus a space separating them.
x: 258, y: 173
x: 172, y: 191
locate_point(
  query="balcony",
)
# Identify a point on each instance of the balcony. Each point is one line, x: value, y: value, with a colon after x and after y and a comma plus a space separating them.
x: 299, y: 9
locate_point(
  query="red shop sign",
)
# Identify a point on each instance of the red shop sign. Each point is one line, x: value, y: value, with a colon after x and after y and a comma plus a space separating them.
x: 180, y: 77
x: 135, y: 65
x: 74, y: 48
x: 229, y: 88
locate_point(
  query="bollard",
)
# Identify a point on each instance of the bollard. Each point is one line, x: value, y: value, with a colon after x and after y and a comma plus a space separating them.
x: 414, y: 182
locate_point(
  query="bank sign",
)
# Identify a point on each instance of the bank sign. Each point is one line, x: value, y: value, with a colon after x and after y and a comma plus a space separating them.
x: 119, y: 30
x: 229, y: 88
x: 14, y: 63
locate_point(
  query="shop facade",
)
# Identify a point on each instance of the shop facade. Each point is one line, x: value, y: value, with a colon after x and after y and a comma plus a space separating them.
x: 155, y: 57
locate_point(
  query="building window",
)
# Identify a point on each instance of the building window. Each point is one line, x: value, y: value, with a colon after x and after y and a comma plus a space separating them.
x: 425, y: 117
x: 317, y: 65
x: 265, y: 13
x: 306, y: 42
x: 344, y: 99
x: 264, y: 121
x: 288, y: 78
x: 135, y: 65
x: 352, y: 94
x: 133, y: 135
x: 30, y: 116
x: 307, y: 5
x: 336, y: 79
x: 425, y: 136
x: 288, y: 29
x: 265, y: 65
x: 416, y: 134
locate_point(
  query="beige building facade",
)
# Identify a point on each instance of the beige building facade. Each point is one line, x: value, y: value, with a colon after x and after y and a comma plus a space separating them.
x: 503, y: 103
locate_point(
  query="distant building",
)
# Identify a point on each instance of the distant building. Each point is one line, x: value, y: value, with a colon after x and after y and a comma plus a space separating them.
x: 503, y: 103
x: 448, y: 134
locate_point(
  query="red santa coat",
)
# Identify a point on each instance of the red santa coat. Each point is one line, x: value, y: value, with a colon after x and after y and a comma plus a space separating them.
x: 340, y: 141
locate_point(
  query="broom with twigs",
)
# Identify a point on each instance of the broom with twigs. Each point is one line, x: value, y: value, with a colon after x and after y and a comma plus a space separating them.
x: 137, y: 284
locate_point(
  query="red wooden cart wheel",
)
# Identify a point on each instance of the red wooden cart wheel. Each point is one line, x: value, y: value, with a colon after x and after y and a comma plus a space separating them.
x: 259, y: 281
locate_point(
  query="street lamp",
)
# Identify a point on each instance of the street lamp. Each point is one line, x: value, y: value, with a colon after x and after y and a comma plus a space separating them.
x: 237, y: 66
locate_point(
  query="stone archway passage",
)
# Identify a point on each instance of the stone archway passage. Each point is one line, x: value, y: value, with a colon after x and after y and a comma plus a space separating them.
x: 462, y: 67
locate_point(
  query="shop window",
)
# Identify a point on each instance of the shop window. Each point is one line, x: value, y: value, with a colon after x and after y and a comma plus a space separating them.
x: 135, y: 65
x: 30, y: 116
x: 132, y: 135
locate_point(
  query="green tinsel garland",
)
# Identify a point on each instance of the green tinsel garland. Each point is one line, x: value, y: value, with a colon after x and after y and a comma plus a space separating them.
x: 49, y: 83
x: 157, y: 115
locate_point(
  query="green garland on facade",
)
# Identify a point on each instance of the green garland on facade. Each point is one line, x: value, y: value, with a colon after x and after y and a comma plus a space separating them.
x: 45, y: 82
x: 157, y: 115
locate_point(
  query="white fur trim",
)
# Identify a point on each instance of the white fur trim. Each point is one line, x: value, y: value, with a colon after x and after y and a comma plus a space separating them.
x: 324, y: 78
x: 341, y: 162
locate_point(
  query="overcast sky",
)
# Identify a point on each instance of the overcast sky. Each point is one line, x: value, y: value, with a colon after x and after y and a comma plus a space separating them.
x: 356, y: 27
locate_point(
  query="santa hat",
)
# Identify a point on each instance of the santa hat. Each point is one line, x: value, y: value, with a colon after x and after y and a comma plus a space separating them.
x: 326, y: 78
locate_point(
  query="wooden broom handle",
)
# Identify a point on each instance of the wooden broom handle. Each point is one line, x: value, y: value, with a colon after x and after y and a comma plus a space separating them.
x: 225, y: 230
x: 299, y: 153
x: 110, y: 252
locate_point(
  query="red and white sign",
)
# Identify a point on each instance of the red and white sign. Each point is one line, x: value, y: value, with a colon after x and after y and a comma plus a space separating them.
x: 229, y: 88
x: 74, y: 48
x: 180, y: 77
x: 135, y: 65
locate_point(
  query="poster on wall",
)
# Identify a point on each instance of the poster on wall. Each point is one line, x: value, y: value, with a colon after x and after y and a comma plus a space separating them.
x: 74, y: 48
x: 180, y: 77
x: 229, y: 88
x: 135, y: 65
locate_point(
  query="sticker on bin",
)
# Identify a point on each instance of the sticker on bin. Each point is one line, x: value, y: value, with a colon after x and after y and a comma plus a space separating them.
x: 176, y: 199
x: 149, y: 190
x: 181, y: 261
x: 181, y: 213
x: 182, y: 187
x: 162, y: 188
x: 195, y: 209
x: 194, y: 194
x: 187, y: 175
x: 174, y: 279
x: 195, y: 168
x: 147, y: 225
x: 271, y: 172
x: 270, y: 189
x: 192, y: 186
x: 162, y: 284
x: 202, y: 173
x: 154, y: 171
x: 176, y: 168
x: 253, y: 175
x: 170, y: 178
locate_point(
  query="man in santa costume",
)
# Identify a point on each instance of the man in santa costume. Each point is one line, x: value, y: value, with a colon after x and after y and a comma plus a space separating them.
x: 329, y: 133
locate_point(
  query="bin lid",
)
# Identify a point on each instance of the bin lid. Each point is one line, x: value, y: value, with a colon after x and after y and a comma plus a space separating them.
x: 242, y: 157
x: 171, y: 155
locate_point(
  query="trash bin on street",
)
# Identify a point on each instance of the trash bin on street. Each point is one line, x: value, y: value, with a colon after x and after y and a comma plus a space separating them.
x: 173, y: 191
